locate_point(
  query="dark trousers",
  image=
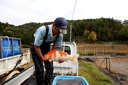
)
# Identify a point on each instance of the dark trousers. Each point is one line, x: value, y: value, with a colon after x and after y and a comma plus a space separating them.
x: 42, y: 78
x: 49, y: 71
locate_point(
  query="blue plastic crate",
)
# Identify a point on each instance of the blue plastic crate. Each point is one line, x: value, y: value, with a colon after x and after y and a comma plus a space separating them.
x: 6, y: 42
x: 9, y: 46
x: 16, y: 42
x: 84, y: 82
x: 6, y: 52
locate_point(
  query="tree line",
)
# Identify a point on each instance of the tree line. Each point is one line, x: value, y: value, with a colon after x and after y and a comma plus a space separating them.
x: 86, y: 30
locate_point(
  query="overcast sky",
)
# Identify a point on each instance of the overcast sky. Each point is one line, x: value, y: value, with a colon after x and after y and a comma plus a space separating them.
x: 18, y: 12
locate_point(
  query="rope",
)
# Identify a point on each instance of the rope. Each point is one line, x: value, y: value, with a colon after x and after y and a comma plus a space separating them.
x: 8, y: 46
x: 74, y: 9
x: 72, y: 19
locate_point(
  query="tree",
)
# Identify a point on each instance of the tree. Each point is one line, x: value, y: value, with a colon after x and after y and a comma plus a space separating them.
x: 90, y: 35
x: 8, y: 31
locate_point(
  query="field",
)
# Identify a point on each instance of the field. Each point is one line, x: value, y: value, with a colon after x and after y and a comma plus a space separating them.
x: 98, y: 49
x: 115, y: 66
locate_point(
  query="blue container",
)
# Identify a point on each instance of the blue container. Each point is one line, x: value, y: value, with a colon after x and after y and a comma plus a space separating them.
x: 16, y: 51
x: 16, y: 42
x: 9, y: 46
x: 16, y: 45
x: 84, y: 82
x: 6, y: 52
x: 6, y: 42
x: 6, y: 47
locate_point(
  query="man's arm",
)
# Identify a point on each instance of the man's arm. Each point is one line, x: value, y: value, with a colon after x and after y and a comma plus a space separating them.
x: 39, y: 53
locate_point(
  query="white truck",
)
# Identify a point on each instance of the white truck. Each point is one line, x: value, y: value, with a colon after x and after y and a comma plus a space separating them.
x: 66, y: 68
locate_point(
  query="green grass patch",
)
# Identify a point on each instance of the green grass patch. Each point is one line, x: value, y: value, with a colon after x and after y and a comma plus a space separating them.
x: 92, y: 74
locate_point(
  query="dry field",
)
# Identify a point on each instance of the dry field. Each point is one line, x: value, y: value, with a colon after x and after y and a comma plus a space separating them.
x: 98, y: 49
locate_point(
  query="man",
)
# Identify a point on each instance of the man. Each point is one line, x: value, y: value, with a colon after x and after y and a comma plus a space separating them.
x: 43, y: 37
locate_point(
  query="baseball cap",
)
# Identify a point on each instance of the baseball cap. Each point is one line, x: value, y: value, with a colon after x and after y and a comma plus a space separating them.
x: 61, y: 23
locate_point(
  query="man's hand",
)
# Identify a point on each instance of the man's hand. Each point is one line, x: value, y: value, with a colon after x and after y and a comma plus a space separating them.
x: 60, y: 61
x: 43, y: 59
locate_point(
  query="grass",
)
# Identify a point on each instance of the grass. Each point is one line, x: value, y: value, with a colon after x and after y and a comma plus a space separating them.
x: 92, y: 74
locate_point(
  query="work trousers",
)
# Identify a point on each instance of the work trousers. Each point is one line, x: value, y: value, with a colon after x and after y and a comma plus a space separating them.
x: 42, y: 78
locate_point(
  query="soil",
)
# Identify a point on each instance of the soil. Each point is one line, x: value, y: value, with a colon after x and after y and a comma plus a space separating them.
x: 116, y: 68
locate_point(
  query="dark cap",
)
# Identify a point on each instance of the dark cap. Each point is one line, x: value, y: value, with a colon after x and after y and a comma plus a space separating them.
x: 62, y: 24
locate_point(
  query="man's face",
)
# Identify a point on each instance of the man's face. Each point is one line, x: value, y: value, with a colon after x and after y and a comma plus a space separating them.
x: 56, y: 30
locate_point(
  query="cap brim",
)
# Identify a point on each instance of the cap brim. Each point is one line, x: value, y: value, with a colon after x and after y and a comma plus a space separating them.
x: 63, y: 31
